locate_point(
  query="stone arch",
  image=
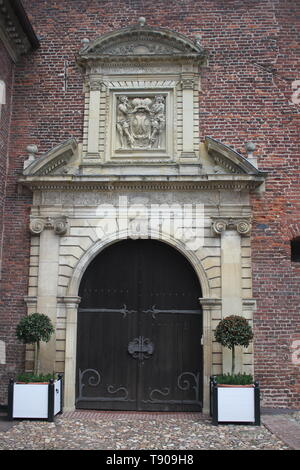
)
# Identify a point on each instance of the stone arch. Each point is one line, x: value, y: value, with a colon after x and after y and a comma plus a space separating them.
x: 72, y: 301
x: 94, y: 250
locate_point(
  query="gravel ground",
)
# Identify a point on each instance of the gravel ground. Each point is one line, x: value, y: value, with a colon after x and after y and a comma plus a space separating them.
x: 125, y: 433
x: 295, y: 417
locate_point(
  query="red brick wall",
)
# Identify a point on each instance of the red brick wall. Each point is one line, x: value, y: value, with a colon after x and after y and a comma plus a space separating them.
x: 277, y: 220
x: 7, y: 75
x: 246, y: 96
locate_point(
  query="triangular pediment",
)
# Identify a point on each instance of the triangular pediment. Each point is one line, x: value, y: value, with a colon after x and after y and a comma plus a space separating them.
x: 141, y: 41
x: 55, y: 162
x: 228, y: 160
x: 61, y: 168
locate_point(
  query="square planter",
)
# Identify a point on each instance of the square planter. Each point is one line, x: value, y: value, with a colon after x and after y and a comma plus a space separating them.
x: 35, y: 400
x: 234, y: 403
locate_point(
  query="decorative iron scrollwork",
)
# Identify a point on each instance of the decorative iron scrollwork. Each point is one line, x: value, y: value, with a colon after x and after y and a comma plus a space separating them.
x: 164, y: 392
x: 155, y: 311
x: 93, y: 380
x: 124, y: 311
x: 186, y: 384
x: 185, y: 381
x: 141, y: 348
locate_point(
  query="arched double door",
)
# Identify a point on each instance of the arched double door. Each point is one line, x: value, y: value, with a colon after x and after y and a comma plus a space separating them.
x: 139, y: 330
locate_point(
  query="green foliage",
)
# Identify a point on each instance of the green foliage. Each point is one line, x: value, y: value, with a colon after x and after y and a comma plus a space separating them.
x: 234, y: 330
x: 34, y: 328
x: 29, y: 377
x: 235, y: 379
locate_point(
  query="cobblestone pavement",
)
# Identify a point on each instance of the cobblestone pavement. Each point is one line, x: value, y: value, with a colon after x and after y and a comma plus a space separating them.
x: 131, y: 431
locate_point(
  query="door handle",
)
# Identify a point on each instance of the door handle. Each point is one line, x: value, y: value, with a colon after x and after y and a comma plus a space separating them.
x: 141, y: 348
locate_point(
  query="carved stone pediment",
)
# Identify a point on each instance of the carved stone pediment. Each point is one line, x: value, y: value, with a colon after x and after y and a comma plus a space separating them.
x: 61, y: 169
x: 227, y: 160
x: 143, y: 45
x: 140, y: 41
x: 58, y: 161
x: 141, y: 121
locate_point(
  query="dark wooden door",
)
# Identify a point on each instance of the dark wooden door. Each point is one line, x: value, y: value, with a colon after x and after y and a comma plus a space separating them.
x: 139, y: 330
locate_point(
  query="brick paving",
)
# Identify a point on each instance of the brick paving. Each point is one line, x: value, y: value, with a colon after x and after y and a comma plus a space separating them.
x: 285, y: 428
x: 93, y: 414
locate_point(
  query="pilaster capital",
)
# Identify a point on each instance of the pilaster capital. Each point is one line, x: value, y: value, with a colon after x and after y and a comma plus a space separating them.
x: 58, y: 224
x: 70, y: 301
x: 210, y: 303
x: 95, y: 85
x: 249, y: 305
x: 241, y: 224
x: 187, y: 81
x: 30, y: 301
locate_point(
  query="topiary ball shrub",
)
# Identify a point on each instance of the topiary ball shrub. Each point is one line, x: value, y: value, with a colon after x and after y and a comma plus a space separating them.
x: 232, y: 331
x: 33, y: 329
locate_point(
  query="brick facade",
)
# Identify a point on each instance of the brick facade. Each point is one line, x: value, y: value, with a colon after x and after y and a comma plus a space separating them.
x: 6, y: 78
x: 248, y: 93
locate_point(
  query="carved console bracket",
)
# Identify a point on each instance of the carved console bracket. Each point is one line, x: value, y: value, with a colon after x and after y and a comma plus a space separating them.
x: 58, y: 224
x: 241, y: 225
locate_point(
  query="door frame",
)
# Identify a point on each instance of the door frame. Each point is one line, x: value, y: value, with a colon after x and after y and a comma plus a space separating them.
x: 72, y: 301
x: 146, y: 381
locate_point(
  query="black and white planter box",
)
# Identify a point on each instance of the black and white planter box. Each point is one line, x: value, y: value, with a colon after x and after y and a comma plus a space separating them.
x: 35, y: 400
x: 234, y: 403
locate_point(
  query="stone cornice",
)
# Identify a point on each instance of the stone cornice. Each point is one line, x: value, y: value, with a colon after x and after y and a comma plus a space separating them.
x: 143, y: 183
x: 16, y: 31
x: 61, y: 169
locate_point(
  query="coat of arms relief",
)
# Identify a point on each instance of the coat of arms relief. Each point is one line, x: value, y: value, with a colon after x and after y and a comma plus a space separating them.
x: 141, y: 122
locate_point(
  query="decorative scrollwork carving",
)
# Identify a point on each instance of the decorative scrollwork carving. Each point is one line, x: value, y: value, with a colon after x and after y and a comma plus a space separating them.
x: 36, y: 226
x: 219, y: 226
x: 242, y: 226
x: 59, y: 225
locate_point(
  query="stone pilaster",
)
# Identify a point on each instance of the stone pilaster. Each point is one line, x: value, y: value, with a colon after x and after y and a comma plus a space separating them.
x: 231, y: 229
x: 94, y: 119
x: 188, y: 81
x: 47, y: 293
x: 49, y: 229
x: 210, y: 308
x: 71, y: 304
